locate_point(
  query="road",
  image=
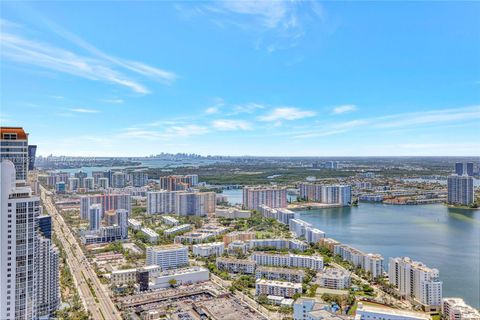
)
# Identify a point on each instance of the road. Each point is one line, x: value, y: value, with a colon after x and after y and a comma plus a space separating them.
x: 98, y: 303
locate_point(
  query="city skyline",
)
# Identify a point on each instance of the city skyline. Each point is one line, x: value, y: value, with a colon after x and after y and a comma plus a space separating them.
x: 243, y: 78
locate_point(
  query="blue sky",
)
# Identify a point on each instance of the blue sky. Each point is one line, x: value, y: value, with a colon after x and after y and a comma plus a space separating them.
x: 243, y: 78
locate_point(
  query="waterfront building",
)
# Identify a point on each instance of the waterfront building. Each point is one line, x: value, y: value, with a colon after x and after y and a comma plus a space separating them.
x: 14, y: 147
x: 374, y: 312
x: 162, y: 201
x: 167, y: 256
x: 277, y: 288
x: 80, y: 175
x: 109, y: 201
x: 369, y: 262
x: 171, y: 221
x: 177, y: 229
x: 282, y: 215
x: 415, y: 280
x: 279, y: 244
x: 328, y: 243
x: 195, y: 204
x: 208, y: 249
x: 238, y: 236
x: 183, y: 276
x: 139, y: 178
x: 232, y: 213
x: 334, y: 278
x: 103, y: 183
x: 460, y: 189
x: 328, y: 194
x: 273, y: 197
x: 313, y: 235
x: 457, y: 309
x: 288, y: 260
x: 297, y: 226
x: 232, y: 265
x: 282, y: 274
x: 151, y: 235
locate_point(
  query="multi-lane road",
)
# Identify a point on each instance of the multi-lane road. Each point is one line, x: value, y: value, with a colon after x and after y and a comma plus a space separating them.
x: 94, y: 295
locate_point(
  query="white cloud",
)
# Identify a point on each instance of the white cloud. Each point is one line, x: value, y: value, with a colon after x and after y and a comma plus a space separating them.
x: 247, y: 108
x: 187, y: 130
x: 230, y: 125
x: 211, y: 110
x: 98, y: 66
x: 403, y: 120
x: 84, y: 110
x: 344, y: 109
x: 114, y: 101
x: 287, y: 113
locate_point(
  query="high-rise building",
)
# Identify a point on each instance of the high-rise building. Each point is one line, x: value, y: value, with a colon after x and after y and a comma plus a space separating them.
x: 460, y: 189
x: 103, y: 183
x: 122, y: 221
x: 14, y: 147
x: 32, y: 151
x: 119, y: 180
x: 96, y: 175
x: 459, y: 168
x: 139, y: 178
x: 329, y: 194
x: 73, y: 184
x: 195, y: 204
x: 48, y: 289
x: 273, y: 197
x: 162, y: 201
x: 469, y: 169
x: 28, y: 260
x: 80, y: 175
x: 94, y: 213
x: 415, y: 280
x: 177, y: 182
x: 88, y: 183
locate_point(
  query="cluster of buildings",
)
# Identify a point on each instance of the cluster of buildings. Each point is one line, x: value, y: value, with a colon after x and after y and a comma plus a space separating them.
x: 29, y: 263
x: 178, y: 182
x: 181, y: 202
x: 107, y: 215
x: 166, y: 266
x: 340, y: 195
x: 457, y: 309
x: 99, y: 180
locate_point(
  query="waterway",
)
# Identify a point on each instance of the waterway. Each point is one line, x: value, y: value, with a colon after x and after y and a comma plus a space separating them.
x: 443, y: 238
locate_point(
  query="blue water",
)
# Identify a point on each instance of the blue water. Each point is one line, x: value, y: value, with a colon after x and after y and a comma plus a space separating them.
x: 443, y: 238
